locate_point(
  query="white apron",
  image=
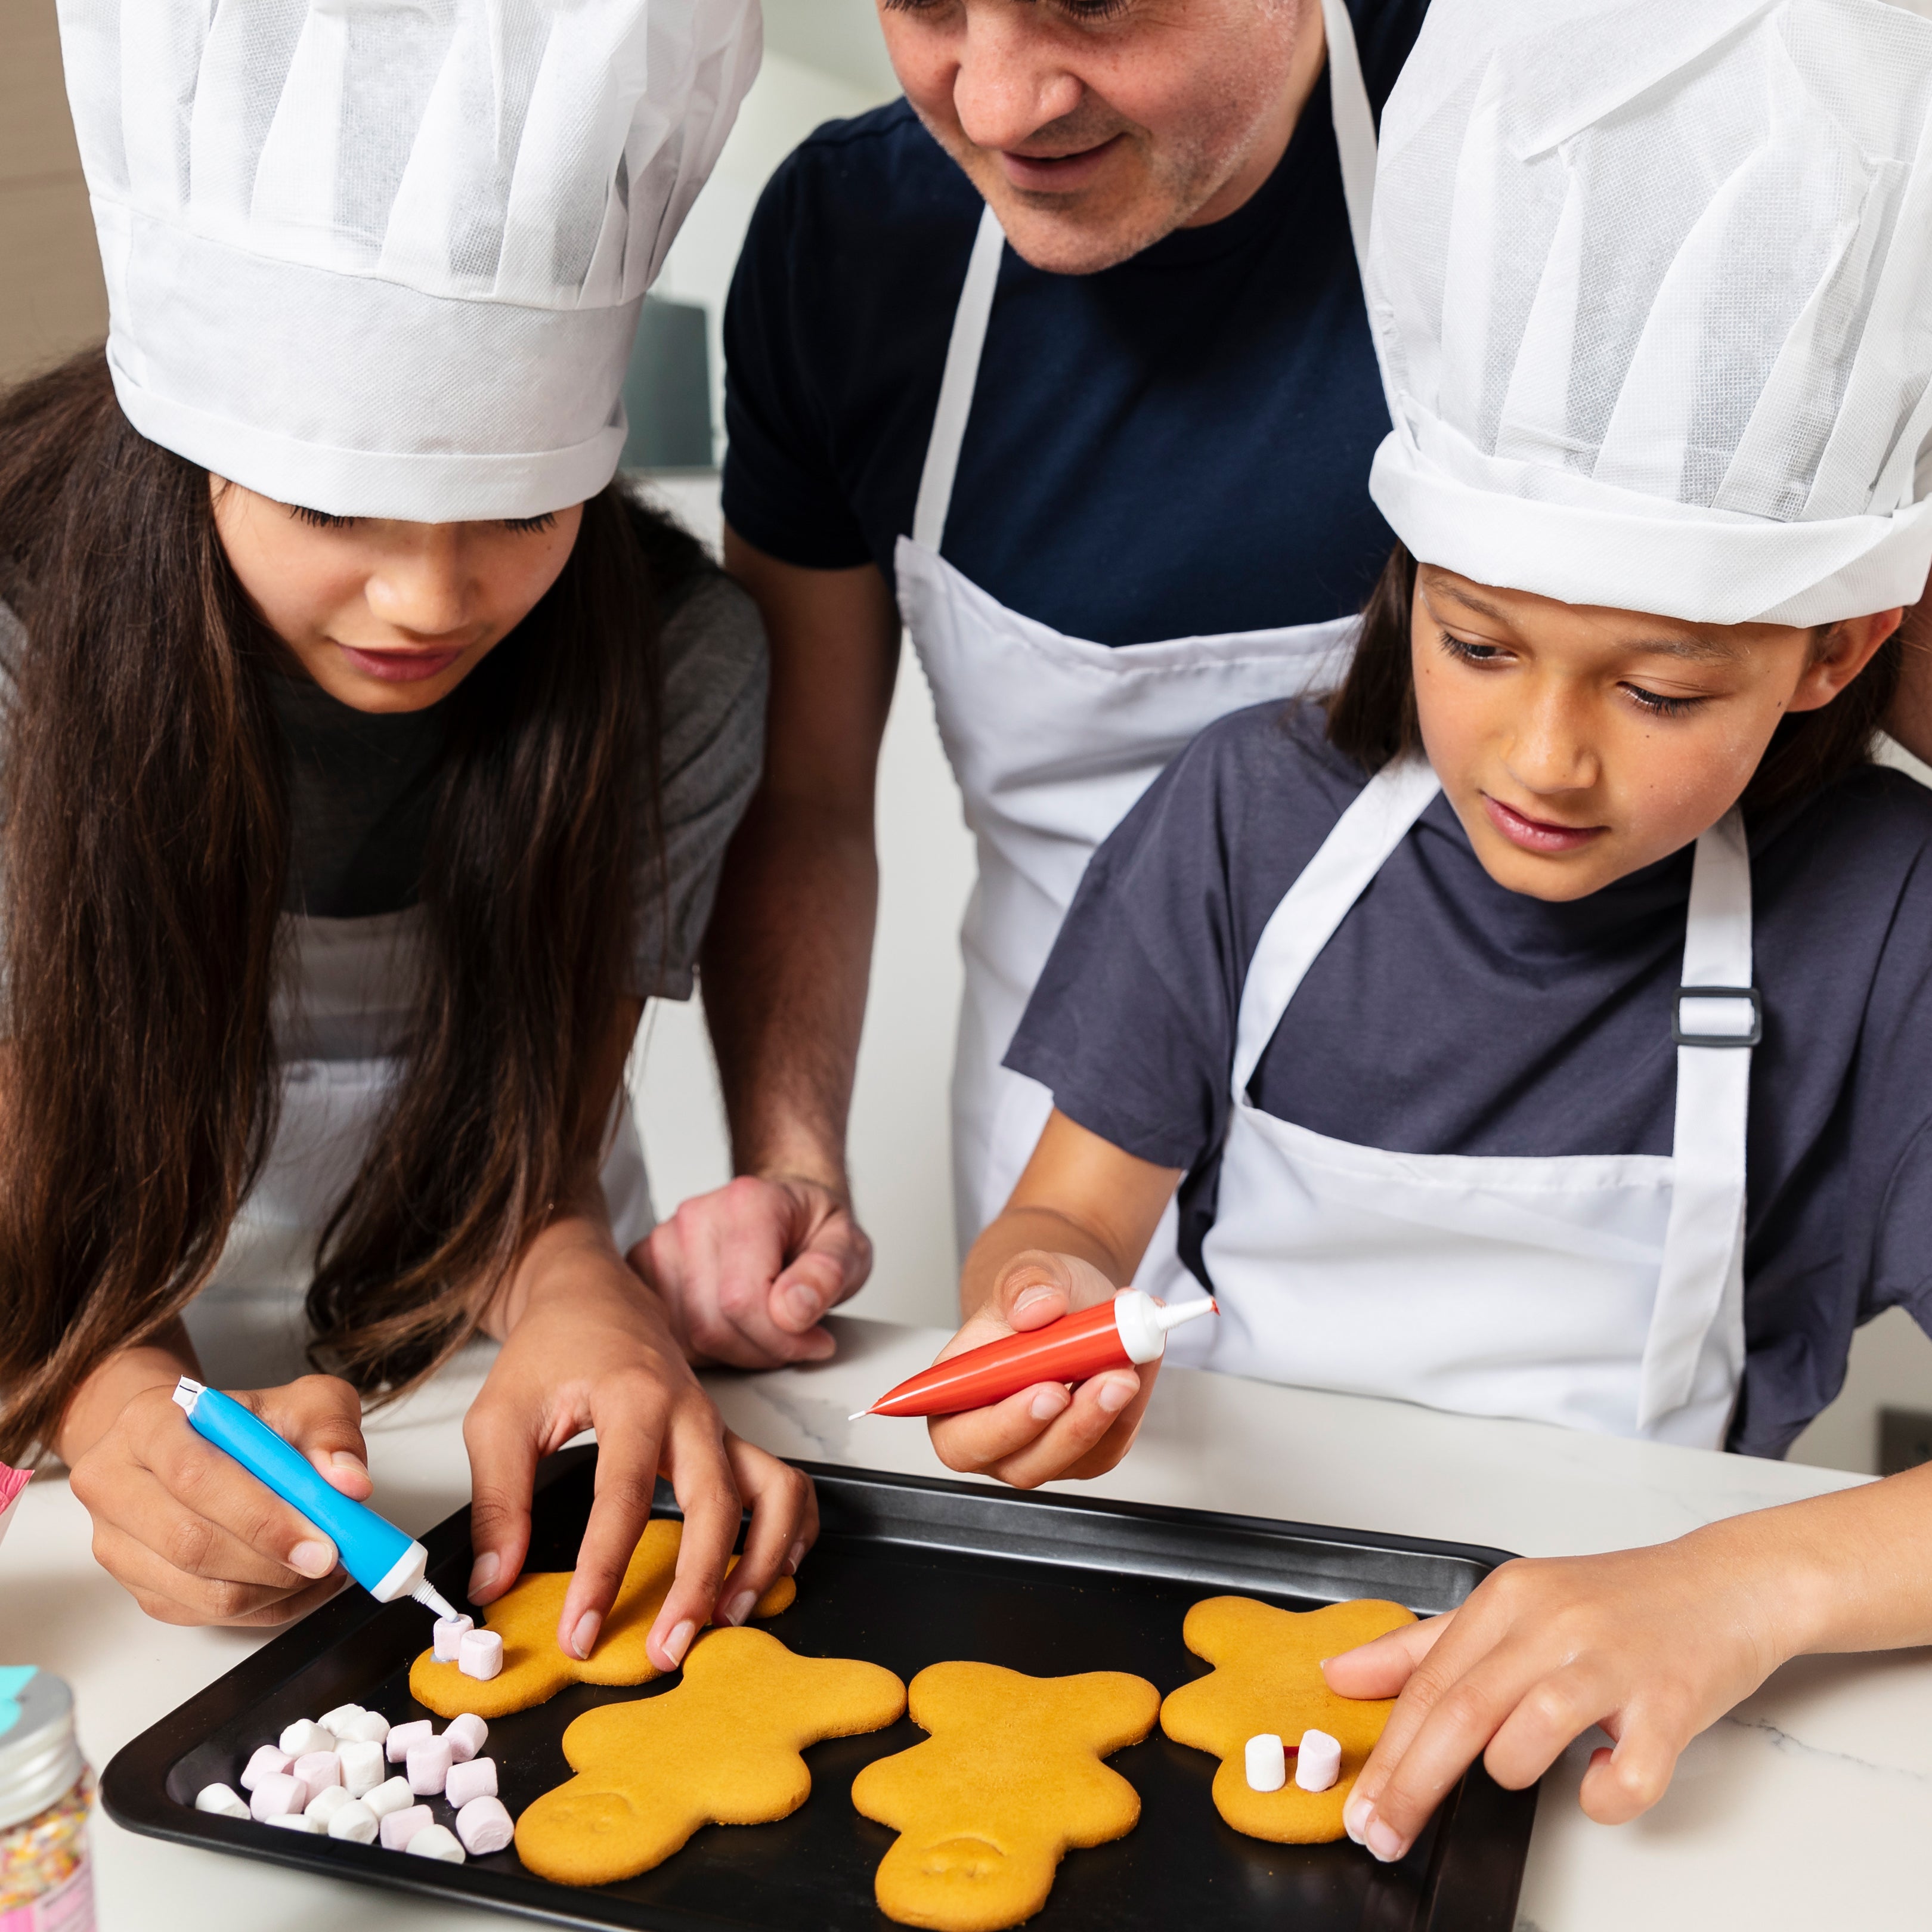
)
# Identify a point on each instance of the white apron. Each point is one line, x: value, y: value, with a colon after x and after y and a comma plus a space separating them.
x: 344, y: 1000
x: 1602, y: 1292
x: 1052, y: 738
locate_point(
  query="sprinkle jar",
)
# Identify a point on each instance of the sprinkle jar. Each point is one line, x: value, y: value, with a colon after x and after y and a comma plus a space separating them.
x: 45, y: 1792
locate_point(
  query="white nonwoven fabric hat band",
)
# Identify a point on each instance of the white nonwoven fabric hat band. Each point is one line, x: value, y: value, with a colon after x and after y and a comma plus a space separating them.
x: 1651, y: 282
x: 385, y: 257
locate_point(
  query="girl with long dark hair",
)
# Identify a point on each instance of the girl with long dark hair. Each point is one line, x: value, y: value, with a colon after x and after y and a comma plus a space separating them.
x: 368, y: 760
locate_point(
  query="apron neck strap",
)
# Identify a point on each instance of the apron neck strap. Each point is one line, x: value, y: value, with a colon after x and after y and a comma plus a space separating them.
x: 1354, y: 141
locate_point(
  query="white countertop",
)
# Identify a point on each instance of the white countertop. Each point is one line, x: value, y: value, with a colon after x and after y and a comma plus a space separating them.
x: 1810, y: 1805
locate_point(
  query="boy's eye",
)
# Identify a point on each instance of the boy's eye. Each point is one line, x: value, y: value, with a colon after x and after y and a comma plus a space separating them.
x: 1658, y: 706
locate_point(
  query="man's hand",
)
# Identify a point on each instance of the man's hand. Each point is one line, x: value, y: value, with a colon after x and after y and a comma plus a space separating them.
x: 746, y: 1272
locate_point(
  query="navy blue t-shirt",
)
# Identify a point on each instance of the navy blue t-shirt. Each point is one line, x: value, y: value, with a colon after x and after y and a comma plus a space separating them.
x: 1178, y: 446
x: 1448, y: 1015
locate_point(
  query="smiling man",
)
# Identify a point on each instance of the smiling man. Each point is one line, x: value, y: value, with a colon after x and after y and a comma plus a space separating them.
x: 1063, y: 357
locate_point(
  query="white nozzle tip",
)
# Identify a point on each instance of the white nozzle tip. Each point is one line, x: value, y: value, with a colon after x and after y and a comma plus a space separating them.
x: 1173, y: 1316
x: 187, y: 1392
x: 432, y: 1598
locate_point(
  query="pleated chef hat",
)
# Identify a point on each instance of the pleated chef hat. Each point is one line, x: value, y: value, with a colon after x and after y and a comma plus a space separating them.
x: 1651, y: 281
x: 385, y: 257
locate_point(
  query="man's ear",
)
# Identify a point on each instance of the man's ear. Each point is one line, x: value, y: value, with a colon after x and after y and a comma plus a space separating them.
x: 1840, y: 654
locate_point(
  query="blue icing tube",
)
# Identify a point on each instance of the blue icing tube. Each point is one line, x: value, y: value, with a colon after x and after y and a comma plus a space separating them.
x: 14, y: 1678
x: 385, y: 1562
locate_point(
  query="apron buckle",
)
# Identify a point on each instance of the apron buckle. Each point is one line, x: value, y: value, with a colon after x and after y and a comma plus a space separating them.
x: 1724, y: 1000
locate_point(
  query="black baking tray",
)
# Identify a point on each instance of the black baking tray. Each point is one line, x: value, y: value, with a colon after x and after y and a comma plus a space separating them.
x: 907, y: 1571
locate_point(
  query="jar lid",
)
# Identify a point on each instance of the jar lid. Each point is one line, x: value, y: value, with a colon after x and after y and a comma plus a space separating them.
x: 40, y: 1756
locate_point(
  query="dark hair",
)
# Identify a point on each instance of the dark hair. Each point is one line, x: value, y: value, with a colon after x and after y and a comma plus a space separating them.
x: 145, y: 846
x: 1372, y: 717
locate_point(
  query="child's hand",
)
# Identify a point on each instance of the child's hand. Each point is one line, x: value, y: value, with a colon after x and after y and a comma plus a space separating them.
x: 190, y: 1533
x: 1652, y: 1645
x: 1043, y: 1432
x: 587, y: 1345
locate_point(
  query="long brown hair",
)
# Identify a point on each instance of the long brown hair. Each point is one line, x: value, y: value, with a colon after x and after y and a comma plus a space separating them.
x: 1372, y: 716
x: 145, y: 844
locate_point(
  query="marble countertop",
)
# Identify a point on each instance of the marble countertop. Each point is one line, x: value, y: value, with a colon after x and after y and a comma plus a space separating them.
x: 1810, y: 1805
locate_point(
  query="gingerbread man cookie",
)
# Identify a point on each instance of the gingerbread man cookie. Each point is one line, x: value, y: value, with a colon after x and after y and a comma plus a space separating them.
x: 721, y: 1748
x: 1010, y: 1778
x: 536, y: 1668
x: 1267, y: 1677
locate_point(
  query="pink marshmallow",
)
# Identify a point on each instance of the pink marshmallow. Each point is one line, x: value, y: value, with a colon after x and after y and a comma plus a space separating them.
x: 474, y: 1778
x: 277, y: 1797
x: 480, y: 1653
x: 400, y: 1827
x: 428, y: 1765
x: 268, y: 1762
x: 448, y: 1634
x: 484, y: 1826
x: 396, y: 1745
x: 317, y: 1768
x: 467, y: 1736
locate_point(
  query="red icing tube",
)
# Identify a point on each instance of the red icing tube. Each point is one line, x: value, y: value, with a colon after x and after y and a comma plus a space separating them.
x: 1123, y: 1333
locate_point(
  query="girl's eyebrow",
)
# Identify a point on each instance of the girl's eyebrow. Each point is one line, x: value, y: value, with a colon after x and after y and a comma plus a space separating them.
x: 1697, y: 650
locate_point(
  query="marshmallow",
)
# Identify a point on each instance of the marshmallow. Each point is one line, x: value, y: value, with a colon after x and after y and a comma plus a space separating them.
x: 428, y: 1765
x: 437, y: 1841
x: 305, y: 1735
x: 1267, y: 1762
x: 467, y: 1736
x: 480, y: 1653
x: 277, y: 1797
x: 219, y: 1799
x: 401, y: 1736
x: 336, y: 1722
x: 1318, y: 1763
x: 317, y: 1768
x: 361, y: 1767
x: 354, y: 1822
x: 474, y: 1778
x: 294, y: 1821
x: 394, y: 1795
x: 371, y: 1728
x: 326, y: 1802
x: 268, y: 1762
x: 400, y: 1827
x: 448, y: 1635
x: 484, y: 1826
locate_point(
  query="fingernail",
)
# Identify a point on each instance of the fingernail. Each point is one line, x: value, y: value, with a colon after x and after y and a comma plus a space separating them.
x: 345, y: 1459
x: 583, y: 1638
x: 739, y: 1607
x: 801, y: 1304
x: 312, y: 1558
x: 1031, y: 1296
x: 1046, y: 1406
x: 483, y: 1572
x: 678, y: 1642
x: 1382, y: 1841
x: 1355, y: 1816
x: 794, y: 1556
x: 1116, y: 1392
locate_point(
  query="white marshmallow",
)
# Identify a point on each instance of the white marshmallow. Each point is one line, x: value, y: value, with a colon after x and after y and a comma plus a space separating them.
x: 400, y: 1827
x: 371, y: 1728
x: 324, y: 1804
x: 223, y: 1802
x: 480, y: 1653
x: 397, y: 1745
x: 476, y: 1777
x: 1318, y: 1763
x: 484, y: 1826
x: 268, y: 1762
x: 436, y: 1841
x: 448, y: 1635
x: 305, y: 1735
x: 361, y: 1767
x: 393, y: 1794
x: 317, y: 1768
x: 467, y: 1736
x: 354, y: 1822
x: 294, y: 1821
x: 428, y: 1765
x: 1267, y: 1762
x: 336, y: 1722
x: 277, y: 1797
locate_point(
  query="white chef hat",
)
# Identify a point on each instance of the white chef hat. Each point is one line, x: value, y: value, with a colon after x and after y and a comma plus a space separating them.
x: 385, y: 257
x: 1651, y: 281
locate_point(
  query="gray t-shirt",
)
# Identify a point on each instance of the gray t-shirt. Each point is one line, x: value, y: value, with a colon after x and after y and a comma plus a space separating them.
x: 363, y: 786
